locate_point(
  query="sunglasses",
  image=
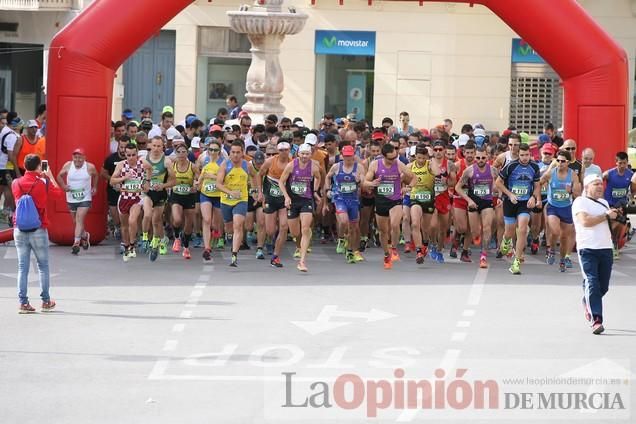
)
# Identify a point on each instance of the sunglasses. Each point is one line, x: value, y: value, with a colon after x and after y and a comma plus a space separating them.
x: 561, y: 160
x: 413, y: 143
x: 441, y: 149
x: 285, y: 127
x: 481, y: 158
x: 270, y: 154
x: 214, y: 150
x: 181, y: 152
x: 569, y: 149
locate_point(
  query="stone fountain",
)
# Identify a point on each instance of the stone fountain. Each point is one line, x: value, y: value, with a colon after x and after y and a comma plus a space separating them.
x: 266, y: 26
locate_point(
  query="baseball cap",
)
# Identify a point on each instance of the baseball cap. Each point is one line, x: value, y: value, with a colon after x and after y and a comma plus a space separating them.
x: 304, y: 148
x: 479, y: 132
x: 15, y: 122
x: 196, y: 143
x: 348, y: 151
x: 589, y: 179
x: 548, y: 148
x: 32, y: 123
x: 462, y: 140
x: 259, y: 157
x: 172, y: 134
x: 412, y: 150
x: 190, y: 119
x: 127, y: 113
x: 79, y: 151
x: 339, y: 121
x: 299, y: 124
x: 227, y: 128
x: 525, y: 138
x: 168, y: 109
x: 311, y: 139
x: 438, y: 143
x: 146, y: 109
x: 283, y: 145
x: 216, y: 128
x: 377, y: 135
x: 544, y: 138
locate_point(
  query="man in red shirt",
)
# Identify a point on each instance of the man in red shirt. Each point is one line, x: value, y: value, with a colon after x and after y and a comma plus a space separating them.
x: 36, y: 183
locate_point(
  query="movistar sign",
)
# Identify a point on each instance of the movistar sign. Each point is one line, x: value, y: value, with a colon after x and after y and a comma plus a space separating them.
x: 347, y: 43
x: 522, y: 52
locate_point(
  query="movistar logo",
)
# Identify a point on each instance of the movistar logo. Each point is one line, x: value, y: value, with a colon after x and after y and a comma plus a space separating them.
x: 525, y: 49
x: 329, y: 42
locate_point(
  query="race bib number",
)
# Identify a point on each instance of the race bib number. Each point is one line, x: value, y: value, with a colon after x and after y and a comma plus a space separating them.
x: 519, y: 190
x: 424, y: 196
x: 181, y: 189
x: 209, y: 187
x: 560, y: 195
x: 348, y: 188
x: 544, y: 190
x: 386, y: 189
x: 132, y: 186
x: 481, y: 190
x: 440, y: 188
x: 618, y: 193
x: 155, y: 183
x: 298, y: 188
x: 77, y: 194
x: 253, y: 191
x: 274, y: 191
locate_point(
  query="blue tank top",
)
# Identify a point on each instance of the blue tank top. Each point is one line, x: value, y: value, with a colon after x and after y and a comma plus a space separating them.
x: 520, y: 179
x: 345, y: 186
x: 617, y: 188
x: 558, y: 194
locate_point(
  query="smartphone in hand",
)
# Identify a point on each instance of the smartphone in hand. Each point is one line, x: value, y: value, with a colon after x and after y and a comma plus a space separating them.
x: 45, y: 165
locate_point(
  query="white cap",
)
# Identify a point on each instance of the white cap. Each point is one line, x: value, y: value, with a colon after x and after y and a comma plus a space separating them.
x: 196, y: 143
x: 589, y: 179
x: 311, y: 139
x: 300, y: 124
x: 283, y: 145
x: 32, y: 123
x: 172, y: 133
x: 462, y: 140
x: 412, y: 150
x: 479, y: 132
x: 304, y: 148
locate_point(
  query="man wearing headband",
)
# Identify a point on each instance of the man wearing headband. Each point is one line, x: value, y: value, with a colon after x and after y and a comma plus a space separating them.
x: 594, y: 244
x: 268, y: 184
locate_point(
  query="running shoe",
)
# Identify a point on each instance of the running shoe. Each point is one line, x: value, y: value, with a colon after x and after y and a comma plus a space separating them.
x: 220, y: 244
x: 259, y: 253
x: 251, y: 239
x: 302, y: 267
x: 550, y: 258
x: 395, y: 256
x: 493, y: 243
x: 499, y: 254
x: 117, y: 234
x: 76, y: 248
x: 407, y: 247
x: 465, y: 257
x: 143, y: 246
x: 126, y: 256
x: 26, y: 309
x: 358, y: 256
x: 85, y: 242
x: 197, y: 241
x: 483, y: 261
x: 340, y: 247
x: 350, y: 258
x: 186, y: 253
x: 586, y: 312
x: 402, y: 239
x: 419, y: 258
x: 387, y: 262
x: 433, y: 253
x: 245, y: 246
x: 568, y: 262
x: 270, y: 248
x: 363, y: 243
x: 440, y: 257
x: 477, y: 241
x: 297, y: 253
x: 48, y: 306
x: 163, y: 246
x: 207, y: 255
x: 234, y: 261
x: 453, y: 252
x: 176, y: 246
x: 506, y: 246
x: 154, y: 253
x: 425, y: 250
x: 597, y: 327
x: 133, y: 252
x: 376, y: 239
x: 534, y: 246
x: 275, y: 262
x: 562, y: 265
x: 515, y: 268
x: 122, y: 248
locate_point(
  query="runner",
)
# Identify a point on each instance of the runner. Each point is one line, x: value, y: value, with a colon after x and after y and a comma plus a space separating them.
x: 134, y: 176
x: 539, y: 217
x: 620, y: 181
x: 78, y: 178
x: 342, y: 186
x: 210, y: 197
x: 367, y: 198
x: 300, y: 184
x: 441, y: 218
x: 422, y: 200
x: 460, y: 207
x: 255, y: 208
x: 233, y: 181
x: 385, y: 176
x: 519, y: 182
x: 503, y: 159
x: 479, y: 180
x: 182, y: 200
x: 271, y: 195
x: 154, y: 202
x: 562, y: 185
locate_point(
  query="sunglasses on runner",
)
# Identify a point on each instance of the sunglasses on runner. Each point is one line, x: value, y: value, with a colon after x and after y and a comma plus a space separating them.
x: 440, y: 149
x: 214, y: 150
x: 561, y: 160
x: 569, y: 149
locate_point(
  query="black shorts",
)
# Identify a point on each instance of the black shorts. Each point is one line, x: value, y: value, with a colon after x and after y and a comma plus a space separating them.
x: 6, y: 176
x: 186, y: 201
x: 273, y: 204
x: 300, y: 205
x: 481, y: 204
x: 367, y: 202
x: 252, y: 204
x: 511, y: 210
x: 113, y: 196
x: 384, y: 205
x: 427, y: 207
x: 158, y: 198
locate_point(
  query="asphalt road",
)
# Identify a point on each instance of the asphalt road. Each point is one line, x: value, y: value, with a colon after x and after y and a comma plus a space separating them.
x: 178, y: 341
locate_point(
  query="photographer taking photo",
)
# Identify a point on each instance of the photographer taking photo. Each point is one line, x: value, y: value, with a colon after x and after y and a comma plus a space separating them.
x: 619, y: 182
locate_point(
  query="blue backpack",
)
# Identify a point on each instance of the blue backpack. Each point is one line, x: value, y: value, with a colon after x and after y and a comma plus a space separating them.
x: 27, y: 218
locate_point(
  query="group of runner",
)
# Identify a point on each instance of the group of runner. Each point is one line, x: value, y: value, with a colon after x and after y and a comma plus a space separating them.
x: 429, y: 192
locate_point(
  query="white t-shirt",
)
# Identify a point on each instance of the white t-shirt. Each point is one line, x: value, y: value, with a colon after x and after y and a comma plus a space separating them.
x: 596, y: 237
x: 9, y: 141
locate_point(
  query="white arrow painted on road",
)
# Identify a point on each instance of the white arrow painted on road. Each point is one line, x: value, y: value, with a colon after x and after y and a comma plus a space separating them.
x: 323, y: 323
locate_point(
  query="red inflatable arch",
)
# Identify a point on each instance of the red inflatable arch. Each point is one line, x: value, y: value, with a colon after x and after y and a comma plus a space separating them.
x: 85, y: 55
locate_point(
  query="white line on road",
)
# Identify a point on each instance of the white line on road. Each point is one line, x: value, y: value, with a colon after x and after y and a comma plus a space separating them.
x: 196, y: 293
x: 200, y: 286
x: 477, y: 287
x: 468, y: 313
x: 186, y: 314
x: 178, y: 328
x: 463, y: 324
x: 458, y: 337
x: 170, y: 345
x: 204, y: 277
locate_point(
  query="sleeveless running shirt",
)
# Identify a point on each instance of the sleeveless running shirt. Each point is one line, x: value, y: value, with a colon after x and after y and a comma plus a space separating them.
x: 185, y: 180
x: 159, y: 172
x: 345, y: 186
x: 481, y: 183
x: 300, y: 181
x: 424, y: 190
x: 558, y: 195
x: 208, y: 185
x: 79, y: 183
x: 132, y: 187
x: 617, y: 187
x: 236, y: 179
x: 390, y: 184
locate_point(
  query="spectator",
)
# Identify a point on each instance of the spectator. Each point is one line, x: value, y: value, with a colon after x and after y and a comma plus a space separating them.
x: 31, y: 144
x: 119, y: 130
x: 127, y: 116
x: 551, y: 132
x: 233, y: 107
x: 145, y: 113
x: 589, y: 168
x: 405, y: 128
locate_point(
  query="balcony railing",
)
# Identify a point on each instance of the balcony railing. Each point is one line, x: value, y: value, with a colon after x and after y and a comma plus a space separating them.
x: 52, y: 5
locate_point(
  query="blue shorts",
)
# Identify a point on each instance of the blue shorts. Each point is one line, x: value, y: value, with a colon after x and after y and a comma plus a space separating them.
x: 406, y: 200
x: 564, y: 214
x: 216, y: 201
x: 351, y: 207
x: 228, y: 211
